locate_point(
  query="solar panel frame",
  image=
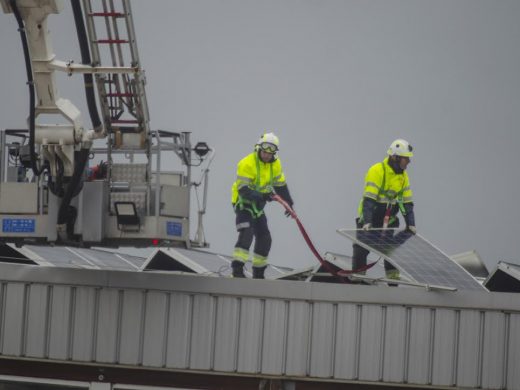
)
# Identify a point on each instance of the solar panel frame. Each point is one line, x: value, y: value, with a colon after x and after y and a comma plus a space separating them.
x: 421, y: 261
x: 75, y: 257
x: 126, y: 258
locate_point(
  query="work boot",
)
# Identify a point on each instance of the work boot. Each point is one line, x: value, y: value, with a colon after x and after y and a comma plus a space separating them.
x: 258, y: 272
x: 394, y: 275
x: 238, y: 269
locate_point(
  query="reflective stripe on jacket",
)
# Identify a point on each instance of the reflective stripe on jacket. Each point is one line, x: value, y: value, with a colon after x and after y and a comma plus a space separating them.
x: 385, y: 186
x: 257, y: 175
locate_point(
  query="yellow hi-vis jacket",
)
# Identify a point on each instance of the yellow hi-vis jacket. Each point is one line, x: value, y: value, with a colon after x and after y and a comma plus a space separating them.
x: 257, y: 175
x: 386, y: 187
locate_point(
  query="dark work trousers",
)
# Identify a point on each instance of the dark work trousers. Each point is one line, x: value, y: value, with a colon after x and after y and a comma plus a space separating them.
x: 359, y: 254
x: 249, y: 227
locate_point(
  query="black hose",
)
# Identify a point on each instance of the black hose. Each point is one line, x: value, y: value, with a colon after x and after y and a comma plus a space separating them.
x: 30, y: 84
x: 81, y: 157
x: 86, y: 60
x: 81, y: 161
x: 57, y: 187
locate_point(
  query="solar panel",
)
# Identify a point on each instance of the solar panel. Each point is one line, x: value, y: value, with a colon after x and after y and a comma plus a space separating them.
x: 505, y: 278
x: 61, y: 256
x: 414, y: 257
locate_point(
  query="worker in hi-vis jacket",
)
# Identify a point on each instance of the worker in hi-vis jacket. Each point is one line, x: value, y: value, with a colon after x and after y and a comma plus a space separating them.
x: 387, y: 191
x: 259, y: 177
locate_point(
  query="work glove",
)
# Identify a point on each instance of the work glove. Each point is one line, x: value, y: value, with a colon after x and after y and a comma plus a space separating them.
x: 367, y: 226
x: 412, y: 229
x: 268, y: 196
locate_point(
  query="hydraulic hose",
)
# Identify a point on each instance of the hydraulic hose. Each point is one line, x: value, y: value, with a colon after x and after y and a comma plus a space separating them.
x: 81, y: 161
x: 82, y: 156
x: 30, y: 84
x: 86, y: 60
x: 340, y: 273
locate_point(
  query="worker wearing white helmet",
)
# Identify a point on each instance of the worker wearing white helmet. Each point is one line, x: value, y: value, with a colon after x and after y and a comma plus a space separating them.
x: 387, y: 191
x: 259, y: 176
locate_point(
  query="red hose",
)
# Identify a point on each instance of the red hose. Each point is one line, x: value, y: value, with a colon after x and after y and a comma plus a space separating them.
x: 311, y: 246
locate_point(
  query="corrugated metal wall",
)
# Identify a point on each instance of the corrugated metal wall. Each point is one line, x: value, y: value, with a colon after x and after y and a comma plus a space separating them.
x: 290, y: 329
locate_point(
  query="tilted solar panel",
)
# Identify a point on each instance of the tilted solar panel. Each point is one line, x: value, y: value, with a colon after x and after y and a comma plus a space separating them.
x: 414, y: 256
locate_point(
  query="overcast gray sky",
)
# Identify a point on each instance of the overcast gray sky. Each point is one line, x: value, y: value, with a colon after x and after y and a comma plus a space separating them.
x: 337, y: 81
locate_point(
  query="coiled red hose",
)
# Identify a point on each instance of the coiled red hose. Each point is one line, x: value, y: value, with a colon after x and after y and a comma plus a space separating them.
x: 324, y: 263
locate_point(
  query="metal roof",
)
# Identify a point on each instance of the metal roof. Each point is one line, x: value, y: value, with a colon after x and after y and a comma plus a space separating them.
x: 165, y: 309
x: 264, y: 328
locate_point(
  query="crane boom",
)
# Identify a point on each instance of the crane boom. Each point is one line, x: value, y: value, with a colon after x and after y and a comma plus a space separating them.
x: 127, y: 198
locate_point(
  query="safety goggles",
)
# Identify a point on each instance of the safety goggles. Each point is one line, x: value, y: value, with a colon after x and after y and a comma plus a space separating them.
x: 406, y: 151
x: 268, y: 147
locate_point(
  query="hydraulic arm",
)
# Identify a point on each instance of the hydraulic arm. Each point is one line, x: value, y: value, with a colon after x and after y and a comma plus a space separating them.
x: 82, y: 191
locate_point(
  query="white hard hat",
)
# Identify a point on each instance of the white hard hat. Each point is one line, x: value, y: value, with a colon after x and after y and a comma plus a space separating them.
x: 400, y: 147
x: 269, y: 142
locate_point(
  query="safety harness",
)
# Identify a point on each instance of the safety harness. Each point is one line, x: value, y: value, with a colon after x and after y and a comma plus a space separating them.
x: 398, y: 197
x: 250, y: 205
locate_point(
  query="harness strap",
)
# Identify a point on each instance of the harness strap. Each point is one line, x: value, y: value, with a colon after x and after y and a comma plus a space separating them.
x: 244, y: 204
x: 251, y: 206
x: 399, y: 195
